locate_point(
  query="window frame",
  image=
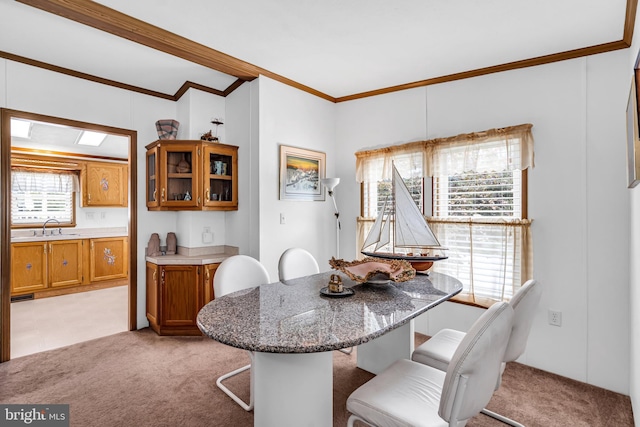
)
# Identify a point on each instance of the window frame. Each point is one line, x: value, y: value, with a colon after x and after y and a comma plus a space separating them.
x: 74, y: 199
x: 514, y: 262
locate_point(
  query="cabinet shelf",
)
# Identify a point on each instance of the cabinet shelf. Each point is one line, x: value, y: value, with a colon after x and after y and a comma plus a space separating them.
x: 212, y: 181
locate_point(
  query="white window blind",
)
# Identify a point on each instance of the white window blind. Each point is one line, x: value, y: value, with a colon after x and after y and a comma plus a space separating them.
x: 38, y: 196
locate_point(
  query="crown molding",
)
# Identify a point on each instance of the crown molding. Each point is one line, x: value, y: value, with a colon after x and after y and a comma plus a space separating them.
x: 69, y: 72
x: 114, y: 22
x: 541, y: 60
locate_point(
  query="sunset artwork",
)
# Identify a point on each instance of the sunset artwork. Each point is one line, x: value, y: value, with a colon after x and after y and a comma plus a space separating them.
x: 301, y: 172
x: 302, y: 175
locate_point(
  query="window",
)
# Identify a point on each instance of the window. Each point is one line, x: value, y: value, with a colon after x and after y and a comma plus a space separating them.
x: 478, y: 184
x: 37, y: 196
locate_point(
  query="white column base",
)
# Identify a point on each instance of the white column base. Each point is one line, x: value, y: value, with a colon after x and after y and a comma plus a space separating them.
x: 293, y: 389
x: 375, y: 356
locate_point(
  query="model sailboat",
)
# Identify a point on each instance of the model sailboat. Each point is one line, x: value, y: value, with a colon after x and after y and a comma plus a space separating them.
x: 412, y: 239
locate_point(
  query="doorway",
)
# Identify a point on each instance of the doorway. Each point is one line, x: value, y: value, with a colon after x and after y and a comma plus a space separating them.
x: 6, y: 116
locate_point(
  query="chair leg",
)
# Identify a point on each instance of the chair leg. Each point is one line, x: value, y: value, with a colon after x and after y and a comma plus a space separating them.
x: 502, y: 418
x: 245, y: 406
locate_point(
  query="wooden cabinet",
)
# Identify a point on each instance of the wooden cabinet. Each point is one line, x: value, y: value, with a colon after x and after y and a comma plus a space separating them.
x: 191, y: 175
x: 64, y: 263
x: 104, y: 184
x: 109, y: 258
x: 37, y: 266
x: 175, y: 295
x: 28, y: 267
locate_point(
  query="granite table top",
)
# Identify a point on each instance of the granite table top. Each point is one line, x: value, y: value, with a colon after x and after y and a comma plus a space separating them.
x: 293, y: 317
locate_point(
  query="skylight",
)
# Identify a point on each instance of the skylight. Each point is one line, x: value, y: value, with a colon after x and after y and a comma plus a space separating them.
x: 93, y: 139
x: 20, y: 129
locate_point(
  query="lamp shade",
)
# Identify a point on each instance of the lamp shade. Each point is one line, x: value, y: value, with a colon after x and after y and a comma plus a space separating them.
x: 330, y: 183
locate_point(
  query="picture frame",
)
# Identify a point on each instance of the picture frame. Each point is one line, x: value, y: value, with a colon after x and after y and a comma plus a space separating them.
x: 301, y: 172
x: 633, y: 138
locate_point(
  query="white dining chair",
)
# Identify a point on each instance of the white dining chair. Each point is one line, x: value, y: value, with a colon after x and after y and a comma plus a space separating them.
x: 237, y: 273
x: 438, y: 351
x: 296, y: 262
x: 409, y: 393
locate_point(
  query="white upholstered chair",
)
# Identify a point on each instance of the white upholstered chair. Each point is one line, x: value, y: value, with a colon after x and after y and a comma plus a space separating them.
x: 408, y: 393
x: 438, y: 350
x: 296, y: 262
x: 237, y: 273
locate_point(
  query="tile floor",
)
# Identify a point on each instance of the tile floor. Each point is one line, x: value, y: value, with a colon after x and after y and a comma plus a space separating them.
x: 47, y: 323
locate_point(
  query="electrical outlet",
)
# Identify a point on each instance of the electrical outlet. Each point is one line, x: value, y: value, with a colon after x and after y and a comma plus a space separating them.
x: 555, y: 318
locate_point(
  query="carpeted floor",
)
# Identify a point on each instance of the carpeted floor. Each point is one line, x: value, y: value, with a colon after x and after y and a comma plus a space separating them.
x: 142, y: 379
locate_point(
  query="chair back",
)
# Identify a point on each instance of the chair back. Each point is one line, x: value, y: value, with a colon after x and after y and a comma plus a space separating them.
x: 296, y: 262
x: 475, y: 367
x: 237, y: 273
x: 524, y: 304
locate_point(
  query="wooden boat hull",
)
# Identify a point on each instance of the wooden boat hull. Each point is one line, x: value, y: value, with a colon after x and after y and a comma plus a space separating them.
x: 418, y: 262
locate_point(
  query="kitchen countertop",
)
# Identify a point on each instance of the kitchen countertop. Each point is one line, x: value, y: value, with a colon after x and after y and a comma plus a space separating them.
x: 26, y: 236
x: 195, y: 256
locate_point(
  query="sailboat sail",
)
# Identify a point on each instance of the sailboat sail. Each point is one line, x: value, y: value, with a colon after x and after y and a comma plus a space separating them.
x: 385, y: 234
x: 410, y: 228
x: 375, y: 232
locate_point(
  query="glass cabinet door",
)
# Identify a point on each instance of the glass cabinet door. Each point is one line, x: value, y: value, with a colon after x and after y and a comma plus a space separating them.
x: 179, y: 185
x: 153, y: 178
x: 220, y: 177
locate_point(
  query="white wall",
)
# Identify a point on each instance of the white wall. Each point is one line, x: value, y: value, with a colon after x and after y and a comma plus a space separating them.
x: 634, y: 254
x: 242, y: 226
x: 195, y: 110
x: 291, y: 117
x: 577, y: 196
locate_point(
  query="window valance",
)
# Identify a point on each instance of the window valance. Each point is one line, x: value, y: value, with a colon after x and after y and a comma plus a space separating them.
x: 508, y: 148
x: 23, y: 180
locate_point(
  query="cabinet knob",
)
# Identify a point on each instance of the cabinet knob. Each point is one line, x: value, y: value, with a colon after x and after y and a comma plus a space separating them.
x: 155, y: 273
x: 155, y: 190
x: 162, y: 194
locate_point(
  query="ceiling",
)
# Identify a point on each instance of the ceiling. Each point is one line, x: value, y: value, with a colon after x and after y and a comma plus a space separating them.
x: 56, y: 138
x: 335, y: 49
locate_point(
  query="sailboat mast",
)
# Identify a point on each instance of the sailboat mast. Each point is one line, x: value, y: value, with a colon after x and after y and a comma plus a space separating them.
x: 393, y: 206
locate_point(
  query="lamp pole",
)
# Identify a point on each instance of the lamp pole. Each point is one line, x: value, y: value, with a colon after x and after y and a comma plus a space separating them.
x: 331, y: 184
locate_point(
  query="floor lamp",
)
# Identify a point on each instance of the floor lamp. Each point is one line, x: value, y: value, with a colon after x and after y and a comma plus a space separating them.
x: 331, y: 183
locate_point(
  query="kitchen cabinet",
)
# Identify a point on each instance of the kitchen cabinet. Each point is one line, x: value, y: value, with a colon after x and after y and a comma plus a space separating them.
x: 104, y: 184
x: 109, y: 258
x: 37, y: 266
x: 175, y: 295
x: 191, y: 175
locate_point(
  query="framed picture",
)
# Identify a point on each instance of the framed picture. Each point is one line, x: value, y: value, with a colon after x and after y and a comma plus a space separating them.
x: 300, y: 174
x: 633, y: 141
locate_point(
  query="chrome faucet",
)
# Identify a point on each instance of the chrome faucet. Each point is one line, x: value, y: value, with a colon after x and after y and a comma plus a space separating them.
x: 44, y: 226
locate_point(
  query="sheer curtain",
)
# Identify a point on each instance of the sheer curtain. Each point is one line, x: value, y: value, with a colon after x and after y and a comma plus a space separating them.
x: 491, y: 256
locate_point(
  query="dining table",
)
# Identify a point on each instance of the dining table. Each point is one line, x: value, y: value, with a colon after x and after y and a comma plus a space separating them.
x: 293, y: 326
